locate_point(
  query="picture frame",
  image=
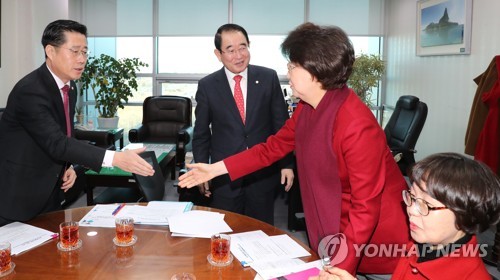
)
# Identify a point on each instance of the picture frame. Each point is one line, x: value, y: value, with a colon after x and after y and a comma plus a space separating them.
x: 443, y: 27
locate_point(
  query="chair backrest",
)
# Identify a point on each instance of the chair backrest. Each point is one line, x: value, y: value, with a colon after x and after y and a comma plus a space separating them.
x: 165, y: 115
x: 406, y: 123
x: 152, y: 187
x: 1, y: 112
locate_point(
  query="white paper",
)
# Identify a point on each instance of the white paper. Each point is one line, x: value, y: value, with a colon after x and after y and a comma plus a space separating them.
x: 155, y: 213
x: 198, y: 223
x: 100, y: 216
x: 23, y: 237
x: 269, y: 270
x: 269, y: 249
x: 238, y: 251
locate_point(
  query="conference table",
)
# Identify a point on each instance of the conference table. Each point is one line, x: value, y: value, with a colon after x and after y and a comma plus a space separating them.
x: 156, y: 255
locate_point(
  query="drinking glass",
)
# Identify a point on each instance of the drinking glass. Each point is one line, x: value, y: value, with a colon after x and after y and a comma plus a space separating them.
x: 6, y: 264
x: 69, y: 237
x: 220, y: 250
x: 124, y: 232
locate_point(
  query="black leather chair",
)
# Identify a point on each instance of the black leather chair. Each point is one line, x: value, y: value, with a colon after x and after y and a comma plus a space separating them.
x: 166, y: 119
x: 403, y: 129
x: 1, y: 112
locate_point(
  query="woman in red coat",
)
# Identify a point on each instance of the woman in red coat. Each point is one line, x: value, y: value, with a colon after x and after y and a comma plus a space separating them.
x: 452, y: 198
x: 350, y: 184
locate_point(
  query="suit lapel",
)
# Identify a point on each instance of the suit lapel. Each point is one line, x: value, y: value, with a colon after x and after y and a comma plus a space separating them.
x: 226, y: 95
x: 55, y: 95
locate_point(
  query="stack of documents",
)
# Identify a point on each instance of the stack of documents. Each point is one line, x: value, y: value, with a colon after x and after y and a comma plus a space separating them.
x: 270, y: 256
x: 23, y: 237
x: 198, y: 223
x: 155, y: 213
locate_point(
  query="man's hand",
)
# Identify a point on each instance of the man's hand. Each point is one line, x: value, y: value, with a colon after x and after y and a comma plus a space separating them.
x: 68, y: 179
x: 200, y: 173
x: 205, y: 189
x: 287, y: 178
x: 130, y: 161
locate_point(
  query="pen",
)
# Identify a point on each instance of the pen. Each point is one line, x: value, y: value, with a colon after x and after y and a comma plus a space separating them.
x: 118, y: 209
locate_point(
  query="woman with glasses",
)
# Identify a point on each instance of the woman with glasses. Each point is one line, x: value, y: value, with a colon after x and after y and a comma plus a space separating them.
x: 349, y: 182
x: 452, y: 198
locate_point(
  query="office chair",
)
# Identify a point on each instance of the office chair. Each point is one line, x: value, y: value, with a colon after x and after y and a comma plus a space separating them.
x: 166, y: 119
x: 403, y: 129
x: 151, y: 187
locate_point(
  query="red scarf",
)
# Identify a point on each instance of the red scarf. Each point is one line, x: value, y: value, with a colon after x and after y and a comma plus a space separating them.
x: 317, y: 166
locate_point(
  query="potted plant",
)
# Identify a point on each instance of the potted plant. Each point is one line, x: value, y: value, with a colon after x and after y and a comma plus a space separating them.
x: 111, y: 81
x: 366, y: 74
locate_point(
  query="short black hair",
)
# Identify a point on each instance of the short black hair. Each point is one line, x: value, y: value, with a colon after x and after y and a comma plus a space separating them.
x: 467, y: 187
x: 54, y: 32
x: 324, y: 51
x: 225, y: 28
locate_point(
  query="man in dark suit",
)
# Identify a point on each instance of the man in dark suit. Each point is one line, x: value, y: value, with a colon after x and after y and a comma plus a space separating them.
x: 36, y: 147
x: 224, y: 128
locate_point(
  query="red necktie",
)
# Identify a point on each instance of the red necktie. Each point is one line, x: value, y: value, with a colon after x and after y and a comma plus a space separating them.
x: 65, y: 90
x: 238, y: 97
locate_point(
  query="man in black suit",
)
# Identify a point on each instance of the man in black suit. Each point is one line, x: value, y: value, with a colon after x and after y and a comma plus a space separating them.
x: 223, y: 129
x: 36, y: 147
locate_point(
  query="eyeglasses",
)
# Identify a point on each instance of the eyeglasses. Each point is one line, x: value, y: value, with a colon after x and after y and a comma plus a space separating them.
x: 290, y: 67
x: 240, y: 50
x: 76, y: 53
x: 423, y: 207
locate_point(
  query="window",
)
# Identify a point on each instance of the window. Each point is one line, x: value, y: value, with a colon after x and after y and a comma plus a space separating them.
x: 176, y: 37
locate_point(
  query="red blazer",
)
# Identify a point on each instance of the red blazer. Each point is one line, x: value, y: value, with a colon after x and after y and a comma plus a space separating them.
x: 372, y: 211
x: 448, y: 267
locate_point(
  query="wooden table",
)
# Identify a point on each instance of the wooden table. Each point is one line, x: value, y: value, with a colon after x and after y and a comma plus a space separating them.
x: 156, y: 255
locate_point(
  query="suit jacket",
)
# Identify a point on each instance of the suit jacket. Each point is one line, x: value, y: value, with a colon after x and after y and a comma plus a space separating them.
x: 462, y: 263
x: 34, y: 147
x: 371, y: 210
x: 219, y: 131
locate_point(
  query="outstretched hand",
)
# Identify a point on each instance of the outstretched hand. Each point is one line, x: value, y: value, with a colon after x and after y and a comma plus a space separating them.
x: 200, y: 173
x: 130, y: 161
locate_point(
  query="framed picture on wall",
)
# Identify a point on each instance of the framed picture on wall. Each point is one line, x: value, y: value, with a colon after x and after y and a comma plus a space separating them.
x: 443, y: 27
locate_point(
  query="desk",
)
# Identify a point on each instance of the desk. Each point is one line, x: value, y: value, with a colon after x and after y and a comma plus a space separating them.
x: 115, y: 177
x: 156, y: 255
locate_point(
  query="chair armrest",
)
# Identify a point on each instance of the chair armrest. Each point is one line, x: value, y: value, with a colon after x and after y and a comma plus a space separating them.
x: 97, y: 138
x: 183, y: 144
x: 137, y: 134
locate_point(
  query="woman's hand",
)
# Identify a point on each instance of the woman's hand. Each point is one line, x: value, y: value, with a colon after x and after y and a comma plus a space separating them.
x: 333, y: 273
x: 200, y: 173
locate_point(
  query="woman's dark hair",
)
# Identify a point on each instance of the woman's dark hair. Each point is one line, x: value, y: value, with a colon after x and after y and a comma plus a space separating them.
x: 467, y: 187
x: 324, y: 51
x: 225, y: 28
x: 54, y: 32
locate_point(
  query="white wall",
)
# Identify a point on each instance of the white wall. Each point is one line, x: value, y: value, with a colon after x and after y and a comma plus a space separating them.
x: 23, y: 22
x: 445, y: 83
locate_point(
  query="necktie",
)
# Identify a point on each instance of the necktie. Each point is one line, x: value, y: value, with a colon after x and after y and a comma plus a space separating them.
x: 238, y: 97
x: 65, y: 90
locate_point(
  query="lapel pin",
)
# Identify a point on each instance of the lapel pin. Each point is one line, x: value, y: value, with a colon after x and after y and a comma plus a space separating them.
x: 256, y: 82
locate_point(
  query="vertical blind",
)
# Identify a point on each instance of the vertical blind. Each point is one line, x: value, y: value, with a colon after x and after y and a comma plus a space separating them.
x: 202, y: 17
